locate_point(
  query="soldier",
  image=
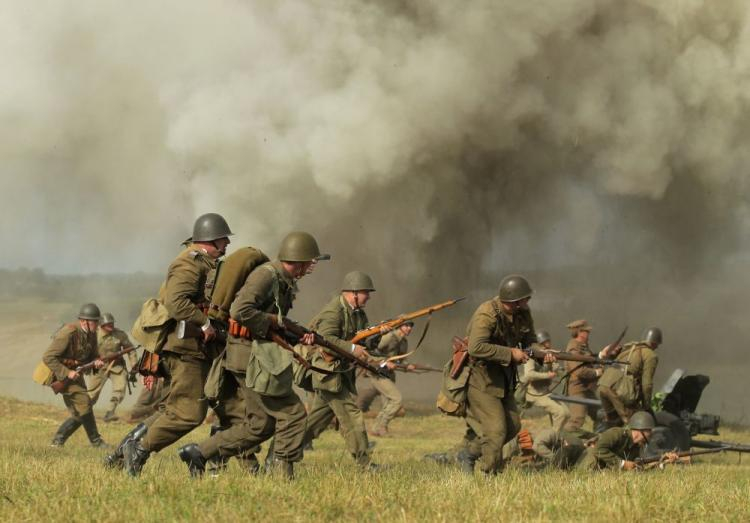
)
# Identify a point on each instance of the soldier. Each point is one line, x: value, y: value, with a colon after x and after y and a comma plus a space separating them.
x: 259, y: 374
x: 75, y: 344
x: 185, y: 361
x: 642, y: 361
x: 111, y: 341
x: 392, y: 344
x: 538, y: 377
x: 495, y: 332
x: 582, y: 378
x: 619, y: 447
x: 336, y: 394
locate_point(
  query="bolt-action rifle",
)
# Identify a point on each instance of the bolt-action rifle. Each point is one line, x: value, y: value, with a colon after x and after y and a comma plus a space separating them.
x: 401, y: 319
x: 539, y: 354
x: 416, y: 368
x: 59, y: 386
x: 686, y: 454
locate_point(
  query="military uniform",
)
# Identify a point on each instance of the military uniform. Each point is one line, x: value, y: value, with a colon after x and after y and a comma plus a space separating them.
x: 613, y: 446
x: 72, y: 346
x: 148, y: 402
x: 336, y: 394
x: 392, y: 344
x: 185, y: 361
x: 110, y: 344
x: 642, y: 361
x: 491, y: 409
x: 536, y: 375
x: 257, y: 394
x: 581, y: 384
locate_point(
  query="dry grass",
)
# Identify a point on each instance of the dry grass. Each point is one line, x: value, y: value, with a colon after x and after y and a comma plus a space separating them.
x: 40, y: 483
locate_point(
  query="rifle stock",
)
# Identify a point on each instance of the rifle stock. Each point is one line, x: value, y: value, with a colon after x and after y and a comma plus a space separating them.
x: 400, y: 320
x: 59, y: 386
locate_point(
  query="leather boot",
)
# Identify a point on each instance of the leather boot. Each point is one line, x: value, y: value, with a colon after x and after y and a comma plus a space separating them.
x: 115, y: 459
x: 192, y: 457
x: 66, y: 429
x: 135, y: 457
x: 89, y: 425
x: 466, y: 461
x: 284, y: 469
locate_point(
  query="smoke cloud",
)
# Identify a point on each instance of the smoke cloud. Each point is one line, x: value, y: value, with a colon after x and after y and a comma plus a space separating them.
x: 597, y: 146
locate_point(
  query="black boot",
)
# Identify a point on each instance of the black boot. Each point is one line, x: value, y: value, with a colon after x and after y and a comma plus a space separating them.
x: 192, y: 457
x: 115, y: 459
x: 66, y: 429
x: 466, y: 461
x: 135, y: 457
x: 89, y: 425
x: 284, y: 469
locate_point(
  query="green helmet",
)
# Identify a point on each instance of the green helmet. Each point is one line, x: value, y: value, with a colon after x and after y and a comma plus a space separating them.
x: 514, y: 288
x: 641, y: 420
x: 107, y: 319
x: 542, y: 336
x: 210, y: 227
x: 300, y: 247
x: 89, y: 311
x: 653, y: 336
x: 357, y: 281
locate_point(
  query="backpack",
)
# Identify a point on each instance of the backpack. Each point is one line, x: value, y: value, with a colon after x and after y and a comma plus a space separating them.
x: 623, y: 383
x: 229, y: 278
x: 152, y: 326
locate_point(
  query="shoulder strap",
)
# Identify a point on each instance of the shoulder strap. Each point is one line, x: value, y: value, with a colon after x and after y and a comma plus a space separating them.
x: 275, y: 290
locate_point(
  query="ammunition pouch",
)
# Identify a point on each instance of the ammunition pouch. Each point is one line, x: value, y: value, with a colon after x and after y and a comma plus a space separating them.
x: 238, y: 330
x: 215, y: 378
x: 149, y: 364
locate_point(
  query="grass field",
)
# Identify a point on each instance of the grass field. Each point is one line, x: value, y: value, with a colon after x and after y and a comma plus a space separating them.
x: 40, y: 483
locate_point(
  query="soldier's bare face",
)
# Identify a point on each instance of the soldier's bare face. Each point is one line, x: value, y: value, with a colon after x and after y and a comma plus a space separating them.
x: 513, y: 306
x: 89, y: 325
x: 108, y: 328
x: 640, y: 437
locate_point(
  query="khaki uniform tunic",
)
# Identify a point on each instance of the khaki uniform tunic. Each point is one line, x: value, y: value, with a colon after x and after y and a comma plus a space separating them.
x: 613, y: 446
x: 336, y: 394
x: 110, y: 344
x: 260, y: 403
x: 491, y: 410
x: 186, y: 361
x: 581, y: 384
x: 71, y: 342
x: 643, y: 361
x: 537, y: 376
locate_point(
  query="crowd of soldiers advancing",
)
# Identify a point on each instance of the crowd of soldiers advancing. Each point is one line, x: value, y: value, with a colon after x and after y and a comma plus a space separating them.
x: 237, y: 349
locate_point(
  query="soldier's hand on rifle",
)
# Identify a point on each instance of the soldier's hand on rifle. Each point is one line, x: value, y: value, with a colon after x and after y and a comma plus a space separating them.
x: 385, y: 328
x: 518, y: 356
x: 308, y: 339
x: 149, y: 382
x: 411, y: 367
x: 98, y: 364
x: 72, y: 375
x: 360, y: 352
x: 549, y: 358
x: 670, y: 457
x: 552, y: 375
x: 629, y: 465
x: 390, y: 365
x: 209, y: 332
